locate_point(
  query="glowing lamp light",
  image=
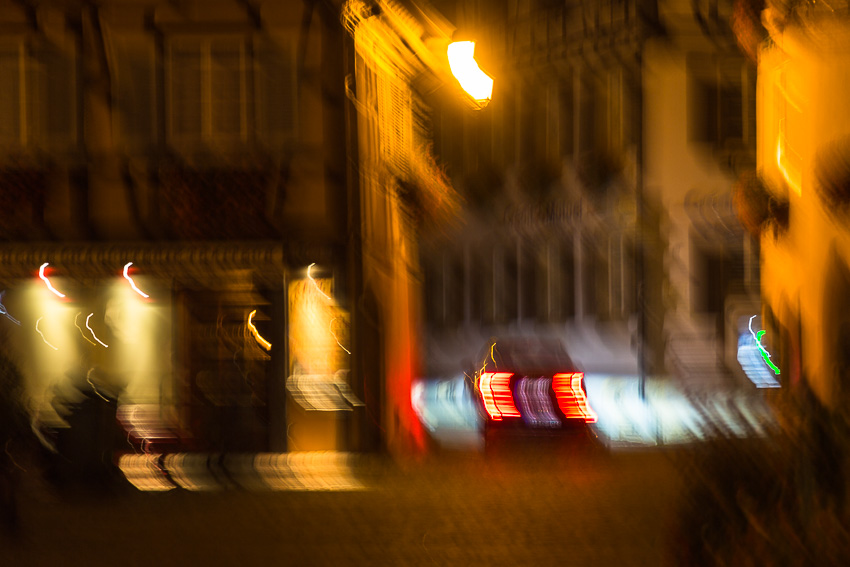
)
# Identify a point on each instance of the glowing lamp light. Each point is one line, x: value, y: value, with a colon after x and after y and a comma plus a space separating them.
x: 132, y: 283
x: 46, y: 281
x: 92, y: 332
x: 477, y: 83
x: 313, y: 281
x: 764, y: 354
x: 77, y: 325
x: 783, y: 168
x: 37, y: 330
x: 260, y: 340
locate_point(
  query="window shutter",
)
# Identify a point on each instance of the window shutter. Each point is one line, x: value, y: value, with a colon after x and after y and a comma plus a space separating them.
x: 396, y: 134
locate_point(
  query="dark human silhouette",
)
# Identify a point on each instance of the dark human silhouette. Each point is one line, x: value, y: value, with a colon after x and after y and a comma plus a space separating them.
x: 15, y: 436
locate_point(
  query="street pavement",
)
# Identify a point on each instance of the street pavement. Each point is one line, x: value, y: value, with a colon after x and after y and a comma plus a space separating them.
x: 523, y: 502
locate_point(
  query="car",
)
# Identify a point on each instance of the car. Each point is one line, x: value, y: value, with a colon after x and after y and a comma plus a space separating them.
x: 530, y: 384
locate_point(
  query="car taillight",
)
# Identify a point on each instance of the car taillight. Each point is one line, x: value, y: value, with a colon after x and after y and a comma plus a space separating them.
x: 571, y: 398
x: 495, y: 388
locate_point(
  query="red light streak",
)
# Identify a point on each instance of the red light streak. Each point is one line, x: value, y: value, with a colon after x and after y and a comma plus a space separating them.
x: 495, y: 388
x: 571, y: 398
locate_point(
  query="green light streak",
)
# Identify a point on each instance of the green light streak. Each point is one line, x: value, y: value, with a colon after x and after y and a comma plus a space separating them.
x: 764, y: 354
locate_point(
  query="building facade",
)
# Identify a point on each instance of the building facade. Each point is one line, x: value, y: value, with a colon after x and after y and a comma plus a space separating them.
x: 598, y: 189
x: 399, y: 55
x: 174, y: 171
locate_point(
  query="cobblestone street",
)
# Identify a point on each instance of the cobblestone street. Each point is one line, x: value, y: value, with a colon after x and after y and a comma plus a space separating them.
x: 530, y: 504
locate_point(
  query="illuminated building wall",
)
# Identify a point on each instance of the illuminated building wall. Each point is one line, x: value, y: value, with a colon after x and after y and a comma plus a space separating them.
x: 319, y: 366
x: 200, y: 141
x: 106, y: 335
x: 803, y: 131
x: 396, y: 55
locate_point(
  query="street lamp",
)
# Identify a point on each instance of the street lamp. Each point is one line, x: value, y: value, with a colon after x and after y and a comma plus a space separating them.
x: 477, y: 83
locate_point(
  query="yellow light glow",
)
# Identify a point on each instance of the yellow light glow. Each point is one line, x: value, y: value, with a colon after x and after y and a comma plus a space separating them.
x: 263, y: 342
x: 319, y: 370
x: 780, y: 162
x: 141, y: 342
x: 310, y: 277
x: 474, y: 81
x: 46, y: 281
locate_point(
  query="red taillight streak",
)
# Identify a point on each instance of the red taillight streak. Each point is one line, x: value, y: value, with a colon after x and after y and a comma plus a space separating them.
x: 495, y: 388
x: 571, y: 398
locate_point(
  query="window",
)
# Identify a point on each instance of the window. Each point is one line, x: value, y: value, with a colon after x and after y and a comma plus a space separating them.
x: 720, y: 273
x: 277, y: 93
x: 623, y: 287
x: 721, y: 101
x: 595, y: 278
x: 564, y: 274
x: 38, y: 106
x: 507, y: 285
x: 134, y: 92
x: 396, y: 122
x: 208, y: 91
x: 444, y: 291
x: 531, y: 285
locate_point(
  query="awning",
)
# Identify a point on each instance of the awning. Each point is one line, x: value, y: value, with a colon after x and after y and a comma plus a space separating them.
x: 191, y: 264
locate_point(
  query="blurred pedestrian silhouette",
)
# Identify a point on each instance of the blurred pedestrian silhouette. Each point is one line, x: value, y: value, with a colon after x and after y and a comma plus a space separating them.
x: 85, y: 448
x: 15, y: 437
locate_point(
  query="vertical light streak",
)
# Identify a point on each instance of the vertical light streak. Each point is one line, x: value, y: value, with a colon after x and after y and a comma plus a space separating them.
x: 310, y: 277
x: 132, y: 283
x: 46, y: 281
x: 783, y: 169
x: 92, y: 331
x: 263, y: 342
x: 77, y: 325
x: 330, y: 328
x: 764, y: 354
x: 37, y: 330
x: 93, y: 387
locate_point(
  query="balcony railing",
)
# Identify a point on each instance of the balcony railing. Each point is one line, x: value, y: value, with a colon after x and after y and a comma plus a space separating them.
x: 552, y: 33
